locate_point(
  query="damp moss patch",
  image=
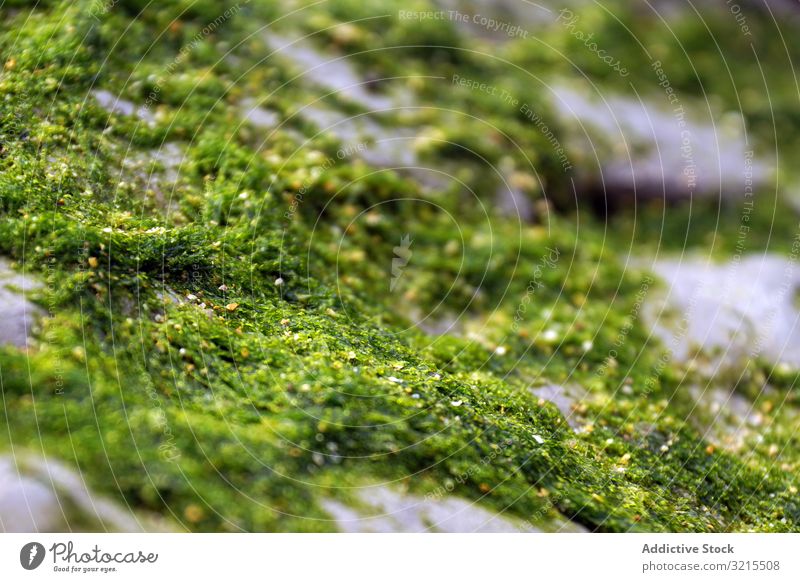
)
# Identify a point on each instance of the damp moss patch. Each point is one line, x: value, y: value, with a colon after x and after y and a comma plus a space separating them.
x: 229, y: 352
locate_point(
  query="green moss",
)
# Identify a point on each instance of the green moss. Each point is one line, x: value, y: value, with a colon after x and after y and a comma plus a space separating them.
x: 178, y: 376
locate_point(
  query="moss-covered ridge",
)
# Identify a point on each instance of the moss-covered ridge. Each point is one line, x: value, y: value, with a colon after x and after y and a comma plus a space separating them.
x: 229, y: 354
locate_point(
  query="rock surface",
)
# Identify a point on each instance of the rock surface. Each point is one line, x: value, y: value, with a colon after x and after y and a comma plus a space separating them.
x: 740, y: 310
x: 393, y: 512
x: 565, y: 398
x: 16, y: 312
x: 643, y: 147
x: 114, y: 104
x: 39, y: 495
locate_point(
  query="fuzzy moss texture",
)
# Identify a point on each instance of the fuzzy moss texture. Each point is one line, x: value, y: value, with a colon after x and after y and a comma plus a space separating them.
x: 227, y: 354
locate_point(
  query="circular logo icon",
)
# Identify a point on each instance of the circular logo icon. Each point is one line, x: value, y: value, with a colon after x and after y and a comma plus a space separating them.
x: 31, y: 555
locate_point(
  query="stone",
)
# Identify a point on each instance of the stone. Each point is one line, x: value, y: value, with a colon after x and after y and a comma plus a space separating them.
x: 394, y: 512
x: 114, y: 104
x: 17, y: 312
x: 653, y: 149
x: 565, y: 398
x: 731, y: 312
x: 44, y: 495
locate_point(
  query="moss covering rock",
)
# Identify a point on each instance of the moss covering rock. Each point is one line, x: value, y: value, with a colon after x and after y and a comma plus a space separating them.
x: 242, y: 314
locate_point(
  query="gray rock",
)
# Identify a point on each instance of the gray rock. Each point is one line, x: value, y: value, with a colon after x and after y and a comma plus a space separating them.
x: 114, y: 104
x: 394, y: 512
x: 734, y: 311
x: 651, y: 149
x: 16, y: 312
x: 44, y: 495
x: 362, y: 135
x: 26, y: 505
x: 259, y: 116
x: 334, y: 73
x: 565, y: 398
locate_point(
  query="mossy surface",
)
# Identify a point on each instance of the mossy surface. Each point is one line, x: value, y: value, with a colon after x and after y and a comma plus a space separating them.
x: 224, y: 349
